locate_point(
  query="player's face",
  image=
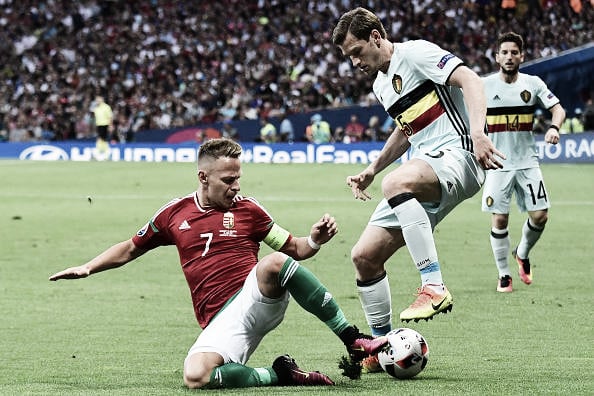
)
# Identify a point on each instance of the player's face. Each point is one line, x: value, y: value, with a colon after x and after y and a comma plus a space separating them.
x: 364, y: 54
x: 221, y: 182
x: 509, y: 57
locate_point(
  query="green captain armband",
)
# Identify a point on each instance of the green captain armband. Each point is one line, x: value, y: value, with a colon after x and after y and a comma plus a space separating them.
x: 277, y: 237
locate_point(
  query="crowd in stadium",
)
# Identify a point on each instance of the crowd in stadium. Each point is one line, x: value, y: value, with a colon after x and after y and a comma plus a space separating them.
x: 165, y: 63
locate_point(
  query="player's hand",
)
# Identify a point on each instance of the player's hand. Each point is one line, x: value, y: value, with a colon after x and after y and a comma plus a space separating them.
x: 359, y: 183
x: 485, y: 152
x: 552, y: 136
x: 324, y: 229
x: 81, y: 271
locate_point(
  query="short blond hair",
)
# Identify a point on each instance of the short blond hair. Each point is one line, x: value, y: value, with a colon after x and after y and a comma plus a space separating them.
x: 217, y: 148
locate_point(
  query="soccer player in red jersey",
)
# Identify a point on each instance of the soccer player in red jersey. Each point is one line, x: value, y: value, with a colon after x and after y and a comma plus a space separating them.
x: 237, y: 298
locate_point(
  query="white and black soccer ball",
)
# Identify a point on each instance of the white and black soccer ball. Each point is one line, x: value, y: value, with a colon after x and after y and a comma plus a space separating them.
x: 405, y: 355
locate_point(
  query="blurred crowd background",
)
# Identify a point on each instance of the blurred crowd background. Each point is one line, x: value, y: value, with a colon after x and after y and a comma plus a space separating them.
x: 163, y: 64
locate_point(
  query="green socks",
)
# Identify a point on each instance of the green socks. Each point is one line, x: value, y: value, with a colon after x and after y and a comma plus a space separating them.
x: 312, y: 295
x: 235, y: 375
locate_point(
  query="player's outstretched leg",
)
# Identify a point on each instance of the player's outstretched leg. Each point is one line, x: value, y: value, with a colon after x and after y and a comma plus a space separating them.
x: 289, y: 374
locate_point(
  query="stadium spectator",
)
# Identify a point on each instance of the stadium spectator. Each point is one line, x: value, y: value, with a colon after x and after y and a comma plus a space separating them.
x: 30, y: 136
x: 318, y: 131
x: 573, y: 124
x: 373, y: 132
x: 589, y: 115
x: 510, y: 97
x: 541, y: 123
x: 387, y: 127
x: 174, y: 57
x: 286, y: 129
x: 353, y: 130
x: 439, y: 105
x: 237, y: 297
x: 267, y: 131
x: 338, y: 135
x: 229, y: 131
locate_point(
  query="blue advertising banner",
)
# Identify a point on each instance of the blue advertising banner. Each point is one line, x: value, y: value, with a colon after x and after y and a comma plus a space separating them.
x: 577, y: 148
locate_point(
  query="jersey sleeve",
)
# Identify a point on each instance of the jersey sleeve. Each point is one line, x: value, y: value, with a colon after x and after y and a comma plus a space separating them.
x: 432, y: 61
x: 262, y: 221
x: 544, y: 94
x: 265, y: 229
x: 155, y: 232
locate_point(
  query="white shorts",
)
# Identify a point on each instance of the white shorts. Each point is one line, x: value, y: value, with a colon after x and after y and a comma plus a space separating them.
x: 460, y: 176
x: 527, y: 184
x: 237, y: 330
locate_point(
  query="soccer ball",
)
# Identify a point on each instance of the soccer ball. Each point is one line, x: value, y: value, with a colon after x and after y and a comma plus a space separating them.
x: 405, y: 355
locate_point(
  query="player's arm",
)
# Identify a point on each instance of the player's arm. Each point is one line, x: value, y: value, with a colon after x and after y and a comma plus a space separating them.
x: 301, y: 248
x: 115, y: 256
x: 557, y: 119
x: 393, y: 149
x: 476, y: 105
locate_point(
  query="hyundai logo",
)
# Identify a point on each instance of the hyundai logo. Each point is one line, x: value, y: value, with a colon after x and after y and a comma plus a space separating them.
x: 43, y: 153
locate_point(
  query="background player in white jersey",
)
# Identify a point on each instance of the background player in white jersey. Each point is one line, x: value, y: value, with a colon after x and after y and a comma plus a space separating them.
x: 427, y: 90
x: 512, y: 98
x: 237, y: 298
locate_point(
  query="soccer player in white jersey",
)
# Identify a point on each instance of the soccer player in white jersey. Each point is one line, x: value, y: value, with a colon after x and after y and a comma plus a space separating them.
x: 427, y: 91
x: 512, y: 98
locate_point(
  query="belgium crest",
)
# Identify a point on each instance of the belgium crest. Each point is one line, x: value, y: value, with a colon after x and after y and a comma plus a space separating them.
x: 397, y: 83
x: 525, y: 95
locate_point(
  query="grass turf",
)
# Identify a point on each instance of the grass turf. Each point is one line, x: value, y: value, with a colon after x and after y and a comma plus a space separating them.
x: 127, y: 331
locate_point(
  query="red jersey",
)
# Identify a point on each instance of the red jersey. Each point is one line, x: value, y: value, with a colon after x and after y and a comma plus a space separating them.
x: 217, y: 249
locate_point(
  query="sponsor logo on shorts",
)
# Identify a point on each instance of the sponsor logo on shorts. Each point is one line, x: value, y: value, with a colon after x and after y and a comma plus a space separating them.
x: 489, y: 201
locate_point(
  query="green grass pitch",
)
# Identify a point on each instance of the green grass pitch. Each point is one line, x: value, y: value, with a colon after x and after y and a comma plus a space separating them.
x: 127, y: 331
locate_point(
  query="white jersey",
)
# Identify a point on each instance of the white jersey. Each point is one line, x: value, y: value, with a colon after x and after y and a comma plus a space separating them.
x: 510, y: 116
x: 430, y: 113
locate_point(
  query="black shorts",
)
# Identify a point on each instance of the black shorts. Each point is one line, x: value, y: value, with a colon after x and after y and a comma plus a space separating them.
x: 102, y: 132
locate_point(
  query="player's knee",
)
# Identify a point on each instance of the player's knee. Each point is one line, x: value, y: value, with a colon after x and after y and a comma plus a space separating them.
x: 195, y: 378
x: 273, y: 263
x: 198, y: 368
x: 365, y: 266
x: 500, y: 221
x: 539, y: 218
x: 357, y: 257
x: 393, y: 185
x: 408, y: 178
